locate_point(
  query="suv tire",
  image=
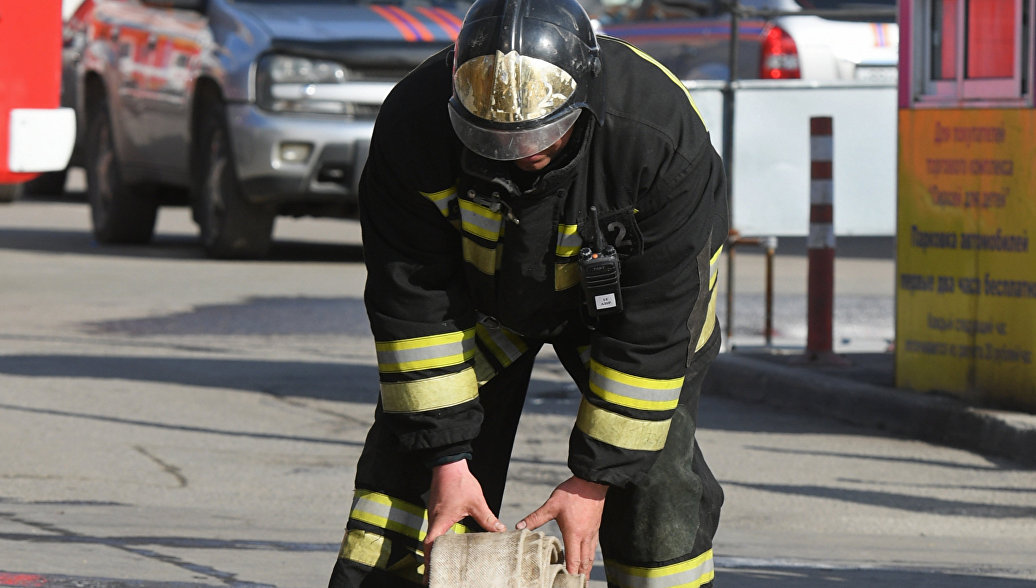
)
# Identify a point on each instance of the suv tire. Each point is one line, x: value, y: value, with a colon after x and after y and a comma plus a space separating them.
x: 231, y: 227
x: 118, y: 215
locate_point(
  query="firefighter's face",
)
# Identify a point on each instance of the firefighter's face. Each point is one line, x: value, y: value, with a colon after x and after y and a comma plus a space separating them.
x: 542, y: 159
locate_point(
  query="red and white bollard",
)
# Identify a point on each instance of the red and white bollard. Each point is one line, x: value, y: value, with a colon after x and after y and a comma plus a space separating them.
x: 821, y: 242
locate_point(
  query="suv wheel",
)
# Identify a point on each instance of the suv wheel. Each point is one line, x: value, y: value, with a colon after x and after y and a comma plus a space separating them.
x: 231, y: 227
x: 118, y: 215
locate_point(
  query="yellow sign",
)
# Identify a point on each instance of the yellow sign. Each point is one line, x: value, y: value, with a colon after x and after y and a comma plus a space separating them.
x: 966, y: 270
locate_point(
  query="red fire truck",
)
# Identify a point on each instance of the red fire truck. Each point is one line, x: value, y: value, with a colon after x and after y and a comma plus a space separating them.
x: 36, y: 135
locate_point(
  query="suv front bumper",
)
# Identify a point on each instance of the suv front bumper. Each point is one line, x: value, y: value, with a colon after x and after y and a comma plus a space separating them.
x: 329, y: 175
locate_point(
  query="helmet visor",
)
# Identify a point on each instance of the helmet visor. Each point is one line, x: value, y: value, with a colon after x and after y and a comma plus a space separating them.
x: 511, y: 88
x: 510, y: 144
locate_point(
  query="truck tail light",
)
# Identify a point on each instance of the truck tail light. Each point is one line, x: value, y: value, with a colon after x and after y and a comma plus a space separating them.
x: 780, y: 58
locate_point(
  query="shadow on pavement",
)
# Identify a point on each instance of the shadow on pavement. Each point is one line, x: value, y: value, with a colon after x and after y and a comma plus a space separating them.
x: 313, y: 379
x: 265, y: 316
x: 735, y: 578
x: 780, y: 577
x: 898, y: 500
x: 166, y: 246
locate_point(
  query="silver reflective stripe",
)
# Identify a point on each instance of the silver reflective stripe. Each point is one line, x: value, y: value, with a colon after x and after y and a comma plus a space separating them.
x: 385, y: 512
x: 634, y: 391
x: 505, y: 345
x: 569, y: 240
x: 714, y: 267
x: 688, y: 574
x: 422, y: 353
x: 389, y: 513
x: 480, y: 221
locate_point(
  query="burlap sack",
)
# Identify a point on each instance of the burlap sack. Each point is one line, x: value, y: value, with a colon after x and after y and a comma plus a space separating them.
x: 514, y: 559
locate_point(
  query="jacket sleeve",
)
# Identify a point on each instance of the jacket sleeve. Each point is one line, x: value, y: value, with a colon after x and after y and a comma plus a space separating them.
x: 420, y: 316
x: 640, y: 357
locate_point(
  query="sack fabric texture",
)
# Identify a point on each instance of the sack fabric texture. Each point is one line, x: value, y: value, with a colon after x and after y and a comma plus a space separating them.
x: 513, y: 559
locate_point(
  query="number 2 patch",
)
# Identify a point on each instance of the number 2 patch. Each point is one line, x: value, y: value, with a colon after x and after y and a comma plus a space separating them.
x: 621, y: 231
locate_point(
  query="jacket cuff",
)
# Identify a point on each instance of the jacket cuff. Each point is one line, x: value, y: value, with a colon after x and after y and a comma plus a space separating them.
x: 444, y: 455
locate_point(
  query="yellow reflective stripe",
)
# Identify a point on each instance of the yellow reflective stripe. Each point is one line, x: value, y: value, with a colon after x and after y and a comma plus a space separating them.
x: 479, y: 220
x: 710, y: 322
x: 566, y: 275
x: 569, y: 240
x: 668, y: 73
x: 423, y: 353
x: 373, y: 550
x: 634, y: 391
x: 714, y: 268
x: 687, y: 574
x: 442, y: 199
x: 505, y: 345
x: 429, y: 393
x: 369, y: 549
x: 393, y: 514
x: 621, y: 431
x: 483, y: 258
x: 710, y: 312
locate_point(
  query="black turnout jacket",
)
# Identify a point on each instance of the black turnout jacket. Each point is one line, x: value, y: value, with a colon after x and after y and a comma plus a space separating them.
x: 472, y: 263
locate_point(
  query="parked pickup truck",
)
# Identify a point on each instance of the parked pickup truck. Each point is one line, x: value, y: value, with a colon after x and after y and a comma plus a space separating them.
x: 243, y: 109
x: 821, y: 40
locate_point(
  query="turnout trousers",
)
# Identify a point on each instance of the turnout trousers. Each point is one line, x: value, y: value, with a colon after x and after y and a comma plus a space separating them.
x: 656, y: 534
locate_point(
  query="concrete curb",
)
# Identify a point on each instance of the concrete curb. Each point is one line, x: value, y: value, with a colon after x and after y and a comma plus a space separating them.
x: 928, y: 417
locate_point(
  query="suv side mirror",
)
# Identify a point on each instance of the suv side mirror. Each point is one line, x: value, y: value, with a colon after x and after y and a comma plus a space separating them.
x: 198, y: 5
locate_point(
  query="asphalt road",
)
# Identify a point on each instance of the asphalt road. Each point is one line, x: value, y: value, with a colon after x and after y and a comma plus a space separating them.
x: 168, y: 420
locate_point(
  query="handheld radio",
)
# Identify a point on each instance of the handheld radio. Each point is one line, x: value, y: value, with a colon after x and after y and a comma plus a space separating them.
x: 599, y: 273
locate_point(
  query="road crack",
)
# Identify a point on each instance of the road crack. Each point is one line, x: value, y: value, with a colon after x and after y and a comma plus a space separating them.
x: 166, y: 467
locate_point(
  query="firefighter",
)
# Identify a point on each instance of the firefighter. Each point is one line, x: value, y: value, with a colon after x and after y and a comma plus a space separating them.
x: 539, y: 184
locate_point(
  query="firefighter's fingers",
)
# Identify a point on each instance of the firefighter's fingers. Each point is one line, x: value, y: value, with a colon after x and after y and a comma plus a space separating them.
x: 538, y: 517
x: 579, y: 554
x: 436, y: 528
x: 486, y: 518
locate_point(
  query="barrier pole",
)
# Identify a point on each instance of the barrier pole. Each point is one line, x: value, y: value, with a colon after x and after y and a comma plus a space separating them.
x: 821, y: 243
x: 735, y: 240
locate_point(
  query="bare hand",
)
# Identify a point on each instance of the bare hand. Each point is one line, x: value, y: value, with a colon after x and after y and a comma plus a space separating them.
x: 455, y: 494
x: 576, y: 505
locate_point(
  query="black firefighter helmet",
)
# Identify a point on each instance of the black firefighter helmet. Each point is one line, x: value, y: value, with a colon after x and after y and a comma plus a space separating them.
x: 523, y: 71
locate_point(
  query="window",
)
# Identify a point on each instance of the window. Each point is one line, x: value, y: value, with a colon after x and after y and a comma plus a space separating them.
x: 974, y: 49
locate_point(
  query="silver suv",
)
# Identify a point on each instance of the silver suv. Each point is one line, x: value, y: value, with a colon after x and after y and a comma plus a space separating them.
x: 243, y: 109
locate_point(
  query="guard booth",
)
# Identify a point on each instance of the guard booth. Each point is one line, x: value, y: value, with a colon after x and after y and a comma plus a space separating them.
x: 966, y: 269
x: 35, y: 134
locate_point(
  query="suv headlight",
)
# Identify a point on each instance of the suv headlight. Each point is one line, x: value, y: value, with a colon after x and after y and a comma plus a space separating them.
x: 286, y: 83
